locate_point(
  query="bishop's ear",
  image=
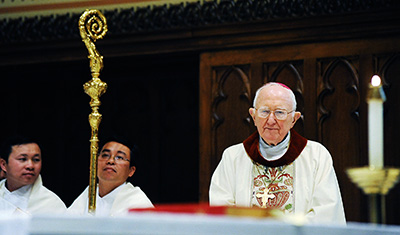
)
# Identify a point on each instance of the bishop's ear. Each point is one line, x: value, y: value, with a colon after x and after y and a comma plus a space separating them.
x: 296, y: 117
x: 252, y: 112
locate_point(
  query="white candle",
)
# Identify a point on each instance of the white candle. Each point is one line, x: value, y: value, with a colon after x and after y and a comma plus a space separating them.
x: 375, y: 123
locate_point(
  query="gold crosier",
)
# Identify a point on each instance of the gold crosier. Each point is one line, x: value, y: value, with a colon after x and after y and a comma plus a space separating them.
x: 93, y: 26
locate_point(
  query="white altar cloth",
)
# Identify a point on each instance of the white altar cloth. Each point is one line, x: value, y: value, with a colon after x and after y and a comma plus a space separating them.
x: 168, y: 223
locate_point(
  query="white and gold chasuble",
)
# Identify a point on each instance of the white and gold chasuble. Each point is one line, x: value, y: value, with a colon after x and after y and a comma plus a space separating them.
x: 309, y: 178
x: 273, y: 187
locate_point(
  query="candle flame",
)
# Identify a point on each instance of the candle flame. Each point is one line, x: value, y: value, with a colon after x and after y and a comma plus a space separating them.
x: 376, y: 81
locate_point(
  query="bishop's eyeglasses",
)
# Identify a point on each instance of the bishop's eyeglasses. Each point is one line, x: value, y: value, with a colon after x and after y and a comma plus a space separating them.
x: 117, y: 158
x: 280, y: 114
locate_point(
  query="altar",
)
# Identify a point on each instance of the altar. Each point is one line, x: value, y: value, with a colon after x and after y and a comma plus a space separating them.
x: 176, y: 223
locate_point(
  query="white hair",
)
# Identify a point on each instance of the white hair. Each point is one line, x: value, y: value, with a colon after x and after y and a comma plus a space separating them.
x: 292, y: 96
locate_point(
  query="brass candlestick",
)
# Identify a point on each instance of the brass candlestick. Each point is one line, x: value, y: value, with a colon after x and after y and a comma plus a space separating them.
x: 375, y: 180
x: 376, y: 183
x: 93, y: 26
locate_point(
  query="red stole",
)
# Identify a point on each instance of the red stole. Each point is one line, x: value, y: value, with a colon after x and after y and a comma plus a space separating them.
x: 296, y: 146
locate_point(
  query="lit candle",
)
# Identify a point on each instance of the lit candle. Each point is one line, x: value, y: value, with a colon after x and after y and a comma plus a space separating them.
x: 375, y: 100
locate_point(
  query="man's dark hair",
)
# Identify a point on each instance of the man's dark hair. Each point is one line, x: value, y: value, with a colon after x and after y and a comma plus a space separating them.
x: 134, y: 149
x: 6, y: 146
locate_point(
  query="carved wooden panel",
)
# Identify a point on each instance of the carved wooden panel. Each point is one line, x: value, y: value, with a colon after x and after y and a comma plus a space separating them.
x: 224, y: 116
x: 339, y: 124
x: 230, y: 105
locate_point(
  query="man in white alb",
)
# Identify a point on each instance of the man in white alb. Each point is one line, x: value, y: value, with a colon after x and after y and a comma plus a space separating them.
x: 114, y: 196
x: 276, y: 167
x: 22, y: 191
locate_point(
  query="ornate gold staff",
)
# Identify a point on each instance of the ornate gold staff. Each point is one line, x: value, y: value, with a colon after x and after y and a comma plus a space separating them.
x: 93, y: 26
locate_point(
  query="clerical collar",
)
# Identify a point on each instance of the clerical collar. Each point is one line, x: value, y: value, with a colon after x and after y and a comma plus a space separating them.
x: 271, y: 152
x: 296, y: 145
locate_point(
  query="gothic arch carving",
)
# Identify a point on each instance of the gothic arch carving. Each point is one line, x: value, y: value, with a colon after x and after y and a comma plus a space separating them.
x: 351, y: 88
x: 221, y: 93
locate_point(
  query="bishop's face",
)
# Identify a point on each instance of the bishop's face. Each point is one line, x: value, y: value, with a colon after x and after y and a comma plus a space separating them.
x: 113, y: 165
x: 270, y: 128
x: 23, y: 166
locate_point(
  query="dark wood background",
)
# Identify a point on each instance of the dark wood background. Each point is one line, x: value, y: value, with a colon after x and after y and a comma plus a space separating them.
x: 331, y: 92
x: 183, y: 92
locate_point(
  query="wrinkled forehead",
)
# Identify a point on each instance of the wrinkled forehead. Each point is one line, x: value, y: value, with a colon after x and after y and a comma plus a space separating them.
x: 276, y: 96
